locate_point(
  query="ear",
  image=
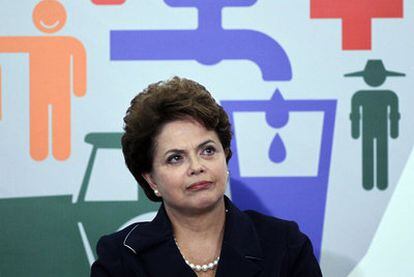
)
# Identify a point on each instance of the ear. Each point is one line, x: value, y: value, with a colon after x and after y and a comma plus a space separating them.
x: 150, y: 180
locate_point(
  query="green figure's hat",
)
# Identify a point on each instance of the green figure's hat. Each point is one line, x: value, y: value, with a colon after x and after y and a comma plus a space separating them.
x: 374, y: 67
x: 374, y: 73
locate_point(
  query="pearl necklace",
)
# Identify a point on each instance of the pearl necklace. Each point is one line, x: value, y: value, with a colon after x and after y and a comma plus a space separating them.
x: 197, y: 267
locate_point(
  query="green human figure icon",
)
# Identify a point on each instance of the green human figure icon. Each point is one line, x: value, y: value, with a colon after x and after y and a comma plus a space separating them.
x: 374, y: 117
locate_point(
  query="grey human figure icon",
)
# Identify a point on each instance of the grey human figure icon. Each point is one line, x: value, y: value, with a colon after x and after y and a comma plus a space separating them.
x: 373, y: 113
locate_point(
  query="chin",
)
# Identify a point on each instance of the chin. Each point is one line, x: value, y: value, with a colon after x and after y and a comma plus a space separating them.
x: 207, y: 201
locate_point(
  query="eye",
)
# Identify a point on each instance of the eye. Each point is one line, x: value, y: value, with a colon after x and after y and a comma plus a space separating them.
x: 174, y: 158
x: 209, y: 150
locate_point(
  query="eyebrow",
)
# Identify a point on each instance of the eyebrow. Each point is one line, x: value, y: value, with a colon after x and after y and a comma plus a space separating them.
x: 180, y: 151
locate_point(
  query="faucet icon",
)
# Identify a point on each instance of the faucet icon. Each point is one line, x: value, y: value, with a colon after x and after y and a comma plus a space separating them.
x: 208, y: 44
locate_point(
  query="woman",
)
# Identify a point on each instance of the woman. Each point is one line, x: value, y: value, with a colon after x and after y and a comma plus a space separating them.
x: 177, y: 146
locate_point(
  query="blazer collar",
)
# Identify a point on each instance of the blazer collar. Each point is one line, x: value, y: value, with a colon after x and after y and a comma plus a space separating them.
x: 241, y: 254
x: 148, y: 234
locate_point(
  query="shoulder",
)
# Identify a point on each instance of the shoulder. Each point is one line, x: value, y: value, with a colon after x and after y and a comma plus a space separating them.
x: 282, y: 240
x: 267, y: 226
x: 114, y: 242
x: 110, y: 249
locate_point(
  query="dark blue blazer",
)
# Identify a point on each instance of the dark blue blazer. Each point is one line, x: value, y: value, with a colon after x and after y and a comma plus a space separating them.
x: 253, y: 245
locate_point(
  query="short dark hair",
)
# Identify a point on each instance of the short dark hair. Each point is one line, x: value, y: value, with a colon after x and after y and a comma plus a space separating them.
x: 161, y: 103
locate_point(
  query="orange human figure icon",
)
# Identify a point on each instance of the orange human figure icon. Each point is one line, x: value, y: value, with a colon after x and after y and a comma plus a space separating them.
x: 56, y: 63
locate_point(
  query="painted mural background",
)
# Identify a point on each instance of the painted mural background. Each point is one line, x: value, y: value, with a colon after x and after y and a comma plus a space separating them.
x: 319, y: 94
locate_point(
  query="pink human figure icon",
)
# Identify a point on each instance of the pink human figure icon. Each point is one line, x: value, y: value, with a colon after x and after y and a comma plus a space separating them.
x: 56, y: 63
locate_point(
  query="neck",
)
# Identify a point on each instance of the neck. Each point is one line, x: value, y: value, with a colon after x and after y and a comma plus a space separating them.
x: 199, y: 236
x: 203, y: 224
x: 207, y: 225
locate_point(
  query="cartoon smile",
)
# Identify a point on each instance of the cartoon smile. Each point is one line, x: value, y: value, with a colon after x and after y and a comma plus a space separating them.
x: 47, y: 26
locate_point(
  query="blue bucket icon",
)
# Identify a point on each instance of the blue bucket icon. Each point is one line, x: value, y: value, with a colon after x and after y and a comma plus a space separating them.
x: 276, y: 191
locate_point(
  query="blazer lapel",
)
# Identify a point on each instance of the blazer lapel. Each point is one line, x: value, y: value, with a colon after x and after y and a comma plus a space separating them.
x: 233, y: 263
x: 241, y: 254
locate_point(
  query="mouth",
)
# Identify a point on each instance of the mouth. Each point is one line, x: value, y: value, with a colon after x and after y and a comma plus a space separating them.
x: 52, y: 26
x: 200, y: 186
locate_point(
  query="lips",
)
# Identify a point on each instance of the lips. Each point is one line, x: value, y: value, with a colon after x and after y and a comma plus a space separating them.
x: 199, y: 185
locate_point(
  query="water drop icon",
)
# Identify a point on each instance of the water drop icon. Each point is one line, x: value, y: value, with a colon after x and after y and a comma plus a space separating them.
x: 277, y: 113
x: 277, y: 150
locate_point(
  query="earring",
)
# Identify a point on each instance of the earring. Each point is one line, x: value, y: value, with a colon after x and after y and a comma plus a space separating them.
x: 156, y: 192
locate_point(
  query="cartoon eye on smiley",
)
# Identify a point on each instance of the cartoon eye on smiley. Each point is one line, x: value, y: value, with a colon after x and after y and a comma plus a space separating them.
x: 49, y: 16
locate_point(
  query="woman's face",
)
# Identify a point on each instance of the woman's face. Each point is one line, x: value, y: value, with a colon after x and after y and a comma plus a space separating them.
x: 189, y: 168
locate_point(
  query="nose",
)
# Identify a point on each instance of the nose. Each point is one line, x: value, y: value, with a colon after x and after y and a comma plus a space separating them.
x: 196, y: 167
